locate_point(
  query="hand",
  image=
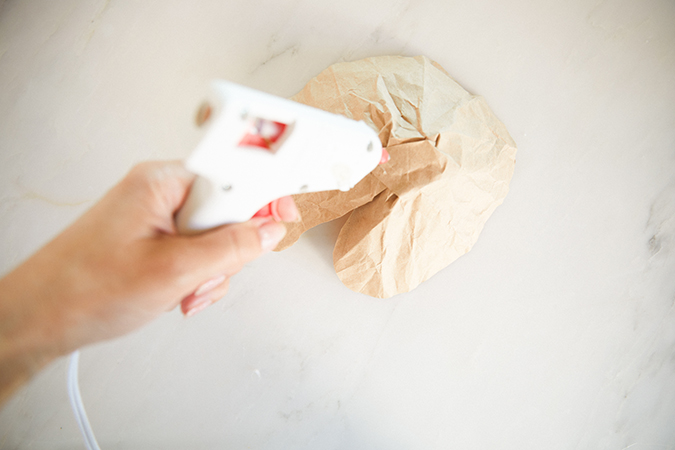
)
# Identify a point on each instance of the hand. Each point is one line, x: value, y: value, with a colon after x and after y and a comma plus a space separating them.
x: 121, y: 265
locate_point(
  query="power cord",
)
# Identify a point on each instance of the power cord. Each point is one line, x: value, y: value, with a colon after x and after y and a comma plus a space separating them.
x: 77, y: 405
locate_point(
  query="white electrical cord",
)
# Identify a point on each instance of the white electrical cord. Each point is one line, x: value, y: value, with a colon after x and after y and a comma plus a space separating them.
x: 77, y: 405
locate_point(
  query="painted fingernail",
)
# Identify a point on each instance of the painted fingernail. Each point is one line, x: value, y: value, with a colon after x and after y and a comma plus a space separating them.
x: 287, y: 210
x: 209, y: 285
x: 274, y: 210
x: 270, y: 234
x: 196, y: 304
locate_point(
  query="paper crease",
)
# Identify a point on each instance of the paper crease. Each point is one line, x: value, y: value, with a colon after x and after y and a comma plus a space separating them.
x: 451, y: 164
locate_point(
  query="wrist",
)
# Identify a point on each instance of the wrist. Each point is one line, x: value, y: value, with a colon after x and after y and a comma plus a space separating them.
x: 30, y: 335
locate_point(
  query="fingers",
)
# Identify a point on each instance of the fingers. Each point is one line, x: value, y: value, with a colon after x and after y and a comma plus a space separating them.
x: 150, y: 194
x: 224, y: 250
x: 207, y: 294
x: 282, y: 209
x: 155, y: 191
x: 285, y: 210
x: 166, y: 182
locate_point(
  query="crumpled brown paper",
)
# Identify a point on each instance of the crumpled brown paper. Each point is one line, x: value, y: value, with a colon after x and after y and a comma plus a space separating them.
x: 451, y: 163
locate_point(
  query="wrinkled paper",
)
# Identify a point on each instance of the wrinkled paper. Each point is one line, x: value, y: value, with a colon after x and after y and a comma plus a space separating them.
x: 451, y: 163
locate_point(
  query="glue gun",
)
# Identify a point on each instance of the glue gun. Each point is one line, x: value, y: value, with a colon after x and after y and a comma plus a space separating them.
x: 257, y: 147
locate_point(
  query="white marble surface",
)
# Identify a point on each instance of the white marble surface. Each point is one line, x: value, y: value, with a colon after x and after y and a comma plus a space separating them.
x: 557, y: 331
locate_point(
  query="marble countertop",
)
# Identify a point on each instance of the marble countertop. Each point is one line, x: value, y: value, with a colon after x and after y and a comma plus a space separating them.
x: 557, y: 331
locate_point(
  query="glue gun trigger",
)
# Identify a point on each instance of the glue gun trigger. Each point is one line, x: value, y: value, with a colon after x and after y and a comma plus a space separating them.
x: 281, y: 210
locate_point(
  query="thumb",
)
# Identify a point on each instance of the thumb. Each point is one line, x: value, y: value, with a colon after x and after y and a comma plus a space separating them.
x: 226, y: 249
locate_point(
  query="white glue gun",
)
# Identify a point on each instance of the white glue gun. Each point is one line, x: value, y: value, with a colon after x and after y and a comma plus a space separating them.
x: 258, y: 147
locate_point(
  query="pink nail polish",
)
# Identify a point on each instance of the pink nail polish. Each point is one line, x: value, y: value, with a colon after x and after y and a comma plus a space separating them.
x: 197, y: 304
x: 270, y: 234
x: 210, y: 284
x: 287, y: 211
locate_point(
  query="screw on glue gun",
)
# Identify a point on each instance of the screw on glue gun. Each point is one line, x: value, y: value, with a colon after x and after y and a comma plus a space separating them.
x: 257, y: 148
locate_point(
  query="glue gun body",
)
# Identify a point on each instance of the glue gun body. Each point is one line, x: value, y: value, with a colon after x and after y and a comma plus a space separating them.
x: 258, y: 147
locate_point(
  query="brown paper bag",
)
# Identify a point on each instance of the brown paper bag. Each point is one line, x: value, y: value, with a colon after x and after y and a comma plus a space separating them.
x: 451, y: 163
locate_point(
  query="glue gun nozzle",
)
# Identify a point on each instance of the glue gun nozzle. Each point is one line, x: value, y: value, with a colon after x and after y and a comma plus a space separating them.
x: 385, y: 156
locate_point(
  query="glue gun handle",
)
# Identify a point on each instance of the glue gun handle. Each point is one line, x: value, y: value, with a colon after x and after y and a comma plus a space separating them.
x: 197, y: 213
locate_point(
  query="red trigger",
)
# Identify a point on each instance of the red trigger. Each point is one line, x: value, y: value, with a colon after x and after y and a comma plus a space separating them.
x: 270, y: 210
x: 263, y: 134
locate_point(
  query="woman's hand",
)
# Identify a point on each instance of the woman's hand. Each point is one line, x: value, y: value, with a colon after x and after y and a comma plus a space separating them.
x: 120, y: 266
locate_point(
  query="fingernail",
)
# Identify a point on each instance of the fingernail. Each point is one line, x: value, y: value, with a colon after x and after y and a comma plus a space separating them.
x: 287, y: 210
x: 274, y: 210
x: 270, y: 234
x: 196, y: 304
x: 209, y: 285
